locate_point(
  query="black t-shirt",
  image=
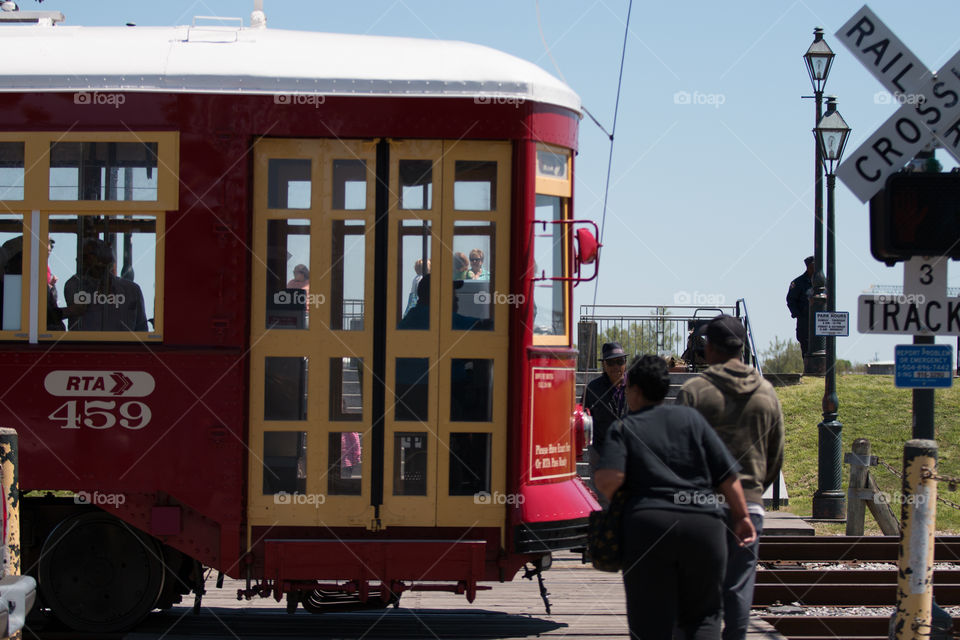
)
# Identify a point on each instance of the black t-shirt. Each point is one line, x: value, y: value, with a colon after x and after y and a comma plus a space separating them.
x: 672, y: 459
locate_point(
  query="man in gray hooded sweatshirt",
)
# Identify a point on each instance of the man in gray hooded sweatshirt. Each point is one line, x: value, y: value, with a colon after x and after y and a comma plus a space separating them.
x: 745, y: 411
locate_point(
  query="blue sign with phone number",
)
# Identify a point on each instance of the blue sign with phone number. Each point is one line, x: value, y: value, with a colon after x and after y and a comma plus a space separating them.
x: 923, y: 366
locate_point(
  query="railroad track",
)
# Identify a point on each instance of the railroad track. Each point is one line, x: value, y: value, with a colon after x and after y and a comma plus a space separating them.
x: 787, y: 580
x: 835, y: 627
x: 847, y: 548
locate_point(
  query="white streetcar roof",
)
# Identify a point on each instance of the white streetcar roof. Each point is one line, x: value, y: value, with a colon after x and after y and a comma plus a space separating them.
x: 213, y: 59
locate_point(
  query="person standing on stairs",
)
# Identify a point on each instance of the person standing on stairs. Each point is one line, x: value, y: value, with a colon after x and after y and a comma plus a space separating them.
x: 604, y: 399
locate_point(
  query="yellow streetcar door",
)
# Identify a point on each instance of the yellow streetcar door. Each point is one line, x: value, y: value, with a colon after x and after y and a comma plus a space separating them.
x: 371, y: 406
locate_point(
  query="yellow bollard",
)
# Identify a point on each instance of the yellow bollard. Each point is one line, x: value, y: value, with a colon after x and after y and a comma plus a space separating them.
x: 913, y: 617
x: 10, y: 477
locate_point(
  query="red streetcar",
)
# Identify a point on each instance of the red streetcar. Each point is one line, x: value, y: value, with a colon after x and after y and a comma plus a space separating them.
x: 294, y: 306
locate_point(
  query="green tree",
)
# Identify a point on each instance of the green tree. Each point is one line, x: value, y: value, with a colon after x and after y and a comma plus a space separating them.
x: 782, y: 356
x: 655, y: 335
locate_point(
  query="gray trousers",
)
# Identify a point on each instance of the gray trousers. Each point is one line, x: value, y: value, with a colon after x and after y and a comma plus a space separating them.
x: 593, y: 457
x: 738, y: 582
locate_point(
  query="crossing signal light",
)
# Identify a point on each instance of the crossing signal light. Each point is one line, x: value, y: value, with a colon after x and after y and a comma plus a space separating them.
x: 916, y: 214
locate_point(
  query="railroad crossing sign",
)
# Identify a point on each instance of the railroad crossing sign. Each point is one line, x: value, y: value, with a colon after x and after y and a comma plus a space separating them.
x: 922, y: 309
x: 929, y: 111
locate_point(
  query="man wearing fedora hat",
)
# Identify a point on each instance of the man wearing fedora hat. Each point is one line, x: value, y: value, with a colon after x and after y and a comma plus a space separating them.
x: 604, y: 398
x: 745, y: 412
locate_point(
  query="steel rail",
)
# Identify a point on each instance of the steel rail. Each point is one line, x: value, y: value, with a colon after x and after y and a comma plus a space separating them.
x: 875, y: 576
x: 844, y: 548
x: 840, y: 595
x: 799, y: 627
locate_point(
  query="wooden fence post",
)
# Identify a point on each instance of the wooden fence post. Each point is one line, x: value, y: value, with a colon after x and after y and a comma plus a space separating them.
x: 863, y: 494
x: 859, y: 468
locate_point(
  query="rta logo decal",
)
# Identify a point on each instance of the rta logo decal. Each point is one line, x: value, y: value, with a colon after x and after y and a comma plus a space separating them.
x: 101, y: 414
x: 136, y: 384
x: 121, y: 383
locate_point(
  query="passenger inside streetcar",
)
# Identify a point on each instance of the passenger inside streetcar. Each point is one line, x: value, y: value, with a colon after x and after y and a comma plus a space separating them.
x: 476, y: 265
x: 461, y: 267
x: 418, y: 317
x: 97, y: 300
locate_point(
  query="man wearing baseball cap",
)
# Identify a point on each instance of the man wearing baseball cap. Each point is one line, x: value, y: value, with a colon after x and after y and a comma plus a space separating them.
x: 745, y: 411
x: 604, y: 398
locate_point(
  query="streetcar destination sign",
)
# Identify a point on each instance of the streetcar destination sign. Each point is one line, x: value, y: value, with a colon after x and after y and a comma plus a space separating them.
x: 929, y: 111
x: 910, y: 315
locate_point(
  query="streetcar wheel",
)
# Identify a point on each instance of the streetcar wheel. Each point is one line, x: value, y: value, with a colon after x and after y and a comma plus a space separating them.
x: 99, y: 574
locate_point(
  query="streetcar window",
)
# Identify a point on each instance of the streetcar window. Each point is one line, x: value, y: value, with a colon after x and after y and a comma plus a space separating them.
x: 473, y: 280
x: 101, y: 272
x: 288, y: 183
x: 346, y: 388
x: 125, y: 171
x: 411, y: 394
x: 344, y: 465
x: 413, y: 262
x: 285, y: 388
x: 11, y: 171
x: 548, y: 246
x: 348, y: 270
x: 289, y: 301
x: 11, y: 266
x: 471, y: 390
x: 350, y: 184
x: 469, y: 463
x: 284, y: 463
x: 410, y: 464
x: 416, y: 184
x: 475, y: 185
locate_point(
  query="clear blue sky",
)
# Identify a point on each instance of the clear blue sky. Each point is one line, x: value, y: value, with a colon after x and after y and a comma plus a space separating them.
x: 713, y: 198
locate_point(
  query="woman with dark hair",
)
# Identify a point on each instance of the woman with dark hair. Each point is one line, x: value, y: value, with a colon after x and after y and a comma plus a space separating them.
x: 670, y: 463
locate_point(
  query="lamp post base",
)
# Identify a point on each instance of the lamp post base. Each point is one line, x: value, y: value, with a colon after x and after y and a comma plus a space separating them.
x: 829, y: 505
x: 829, y: 500
x: 815, y: 364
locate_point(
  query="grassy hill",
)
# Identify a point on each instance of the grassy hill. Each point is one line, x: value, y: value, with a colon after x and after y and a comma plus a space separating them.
x: 872, y: 408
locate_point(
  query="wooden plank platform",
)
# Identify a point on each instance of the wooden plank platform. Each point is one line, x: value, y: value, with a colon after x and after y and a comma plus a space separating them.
x: 781, y: 523
x: 586, y: 604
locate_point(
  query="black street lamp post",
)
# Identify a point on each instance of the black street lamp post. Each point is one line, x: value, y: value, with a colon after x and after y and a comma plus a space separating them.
x: 829, y: 502
x: 818, y: 58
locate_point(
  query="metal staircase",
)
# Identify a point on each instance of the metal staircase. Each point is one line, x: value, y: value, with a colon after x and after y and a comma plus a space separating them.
x: 664, y: 330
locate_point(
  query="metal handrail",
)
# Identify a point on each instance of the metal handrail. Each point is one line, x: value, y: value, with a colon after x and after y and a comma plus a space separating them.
x: 751, y: 343
x: 668, y: 325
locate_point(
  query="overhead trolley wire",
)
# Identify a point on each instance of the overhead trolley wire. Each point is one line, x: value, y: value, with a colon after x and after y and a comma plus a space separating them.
x: 611, y: 133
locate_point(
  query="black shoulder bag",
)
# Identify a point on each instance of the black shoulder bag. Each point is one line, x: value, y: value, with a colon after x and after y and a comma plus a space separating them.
x: 605, y: 534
